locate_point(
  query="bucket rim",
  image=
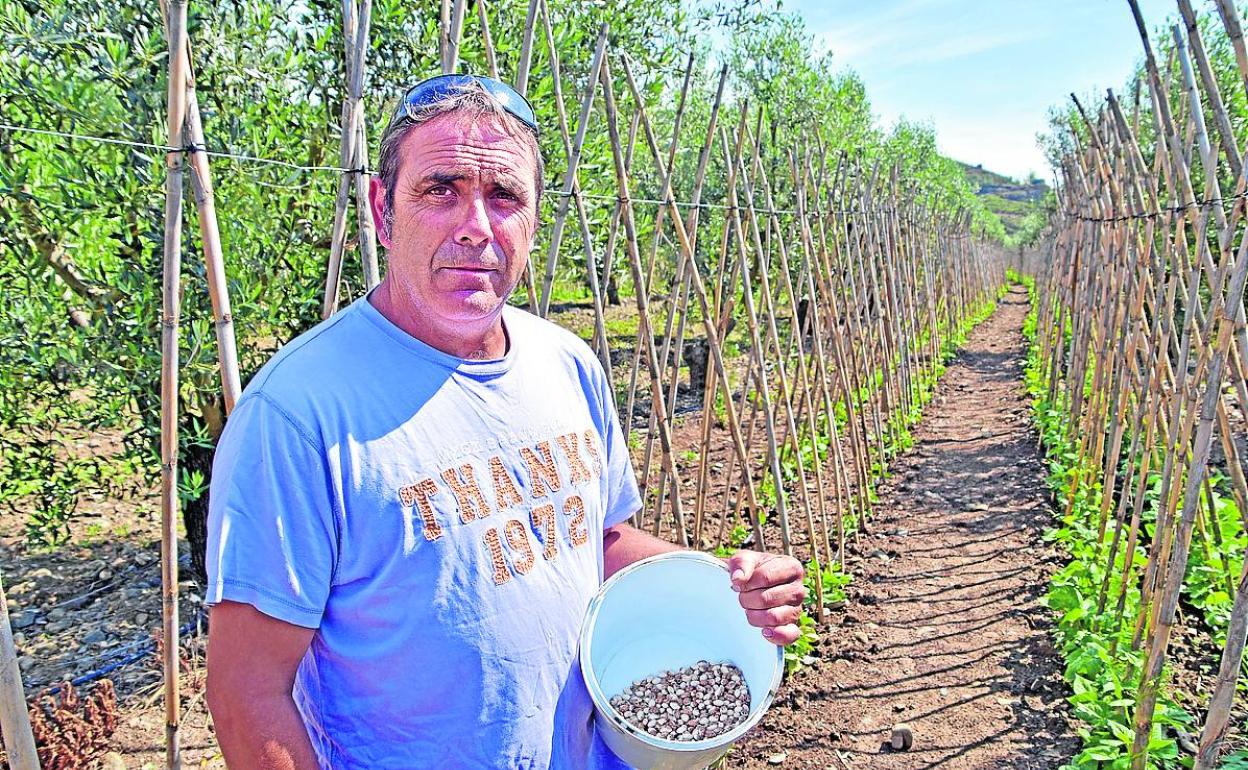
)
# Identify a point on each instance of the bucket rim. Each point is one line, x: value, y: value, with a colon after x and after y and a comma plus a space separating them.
x: 603, y: 704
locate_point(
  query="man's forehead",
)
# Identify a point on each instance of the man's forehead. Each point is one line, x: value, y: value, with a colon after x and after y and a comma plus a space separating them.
x: 465, y: 141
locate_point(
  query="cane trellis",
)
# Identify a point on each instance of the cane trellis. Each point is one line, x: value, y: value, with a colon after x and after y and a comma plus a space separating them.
x: 1141, y: 354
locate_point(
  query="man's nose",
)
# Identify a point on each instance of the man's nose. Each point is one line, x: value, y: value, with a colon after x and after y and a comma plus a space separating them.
x: 475, y: 229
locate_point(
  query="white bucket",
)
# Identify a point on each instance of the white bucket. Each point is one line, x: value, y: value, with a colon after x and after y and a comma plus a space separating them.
x: 662, y: 614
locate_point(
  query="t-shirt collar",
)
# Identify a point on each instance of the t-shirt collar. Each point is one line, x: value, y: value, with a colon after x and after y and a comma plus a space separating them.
x: 469, y: 366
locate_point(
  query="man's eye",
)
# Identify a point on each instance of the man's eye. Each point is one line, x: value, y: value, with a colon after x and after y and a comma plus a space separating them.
x: 439, y: 191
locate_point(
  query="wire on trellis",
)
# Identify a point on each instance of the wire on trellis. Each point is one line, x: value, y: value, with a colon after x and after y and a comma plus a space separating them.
x: 364, y: 170
x: 1200, y: 204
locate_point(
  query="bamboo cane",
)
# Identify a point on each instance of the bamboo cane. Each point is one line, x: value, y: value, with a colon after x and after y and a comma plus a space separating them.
x: 210, y: 235
x: 356, y: 45
x: 569, y: 180
x: 366, y: 231
x: 664, y: 170
x: 171, y: 306
x: 630, y: 235
x: 19, y: 742
x: 491, y: 61
x: 522, y: 87
x: 444, y: 36
x: 591, y: 265
x: 454, y: 37
x: 712, y: 333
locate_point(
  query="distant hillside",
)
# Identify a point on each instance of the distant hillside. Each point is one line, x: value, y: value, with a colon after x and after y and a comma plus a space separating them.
x: 1010, y: 199
x: 992, y: 183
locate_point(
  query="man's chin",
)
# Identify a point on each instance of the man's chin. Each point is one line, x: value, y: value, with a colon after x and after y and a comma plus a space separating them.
x: 471, y: 306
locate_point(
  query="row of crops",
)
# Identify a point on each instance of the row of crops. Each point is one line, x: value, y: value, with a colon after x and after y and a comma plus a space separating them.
x: 1137, y: 366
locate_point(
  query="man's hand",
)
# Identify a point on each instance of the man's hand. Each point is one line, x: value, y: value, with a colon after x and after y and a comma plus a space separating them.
x: 771, y: 591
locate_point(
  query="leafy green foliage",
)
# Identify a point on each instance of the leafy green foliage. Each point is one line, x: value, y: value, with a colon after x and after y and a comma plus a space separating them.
x: 833, y: 579
x: 1101, y: 666
x: 796, y: 653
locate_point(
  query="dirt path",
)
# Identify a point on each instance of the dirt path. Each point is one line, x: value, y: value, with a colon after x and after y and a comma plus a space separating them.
x: 944, y: 631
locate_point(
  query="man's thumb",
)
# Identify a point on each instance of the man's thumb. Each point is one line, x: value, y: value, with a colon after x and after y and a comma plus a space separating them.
x: 741, y: 568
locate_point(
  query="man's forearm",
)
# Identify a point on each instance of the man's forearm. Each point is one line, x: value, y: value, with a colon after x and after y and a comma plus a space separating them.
x: 624, y: 544
x: 263, y: 734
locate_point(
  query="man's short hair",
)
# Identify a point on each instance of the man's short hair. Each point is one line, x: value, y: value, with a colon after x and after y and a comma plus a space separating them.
x: 469, y: 100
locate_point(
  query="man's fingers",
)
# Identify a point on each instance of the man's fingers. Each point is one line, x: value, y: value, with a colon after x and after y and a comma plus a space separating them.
x: 774, y: 571
x: 741, y: 568
x: 775, y: 596
x: 775, y: 616
x: 782, y: 635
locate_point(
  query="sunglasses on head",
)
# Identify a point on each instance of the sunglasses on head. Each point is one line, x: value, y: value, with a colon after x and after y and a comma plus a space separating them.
x: 435, y: 89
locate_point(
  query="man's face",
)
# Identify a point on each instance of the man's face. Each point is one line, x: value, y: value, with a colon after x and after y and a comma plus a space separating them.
x: 464, y: 217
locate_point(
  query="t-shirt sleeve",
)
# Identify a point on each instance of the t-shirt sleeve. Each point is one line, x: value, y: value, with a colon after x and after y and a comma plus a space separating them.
x: 272, y: 537
x: 623, y: 498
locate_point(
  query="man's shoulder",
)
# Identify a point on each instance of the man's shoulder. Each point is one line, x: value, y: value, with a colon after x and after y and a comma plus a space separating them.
x: 330, y: 353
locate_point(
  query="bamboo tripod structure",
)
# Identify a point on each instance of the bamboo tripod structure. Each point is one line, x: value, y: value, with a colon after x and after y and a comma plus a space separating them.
x: 1141, y: 335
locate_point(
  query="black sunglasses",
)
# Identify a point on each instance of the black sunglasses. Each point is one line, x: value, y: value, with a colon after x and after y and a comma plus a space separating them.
x: 433, y: 90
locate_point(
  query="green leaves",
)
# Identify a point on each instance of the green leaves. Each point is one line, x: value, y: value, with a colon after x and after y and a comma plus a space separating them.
x: 834, y: 583
x: 796, y: 654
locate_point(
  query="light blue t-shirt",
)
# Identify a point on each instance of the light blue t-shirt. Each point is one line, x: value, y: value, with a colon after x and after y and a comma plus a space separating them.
x: 439, y: 522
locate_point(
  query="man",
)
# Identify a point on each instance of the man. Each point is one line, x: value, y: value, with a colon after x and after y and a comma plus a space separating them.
x: 414, y: 502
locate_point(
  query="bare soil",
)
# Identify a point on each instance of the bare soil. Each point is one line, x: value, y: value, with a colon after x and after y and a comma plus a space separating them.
x: 944, y: 631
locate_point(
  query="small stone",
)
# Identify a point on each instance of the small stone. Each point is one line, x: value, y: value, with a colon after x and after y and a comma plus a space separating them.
x: 19, y: 639
x: 95, y: 637
x: 25, y: 663
x: 106, y: 574
x: 112, y: 761
x: 24, y: 619
x: 778, y: 758
x: 902, y: 738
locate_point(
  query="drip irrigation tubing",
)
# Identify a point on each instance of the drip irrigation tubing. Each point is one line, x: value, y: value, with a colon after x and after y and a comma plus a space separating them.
x: 130, y: 654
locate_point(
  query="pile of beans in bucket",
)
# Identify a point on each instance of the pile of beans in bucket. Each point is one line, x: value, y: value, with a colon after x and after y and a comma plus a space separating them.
x: 689, y: 704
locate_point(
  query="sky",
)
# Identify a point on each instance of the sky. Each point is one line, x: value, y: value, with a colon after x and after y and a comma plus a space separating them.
x: 983, y: 73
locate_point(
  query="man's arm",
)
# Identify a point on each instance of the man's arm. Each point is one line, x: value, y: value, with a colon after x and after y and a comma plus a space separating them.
x: 771, y: 585
x: 252, y: 659
x: 624, y: 544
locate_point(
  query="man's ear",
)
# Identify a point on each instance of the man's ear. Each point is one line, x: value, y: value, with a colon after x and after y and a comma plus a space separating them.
x: 377, y: 202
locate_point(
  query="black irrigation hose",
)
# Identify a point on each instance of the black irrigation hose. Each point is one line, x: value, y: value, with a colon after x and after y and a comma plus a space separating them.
x: 141, y: 649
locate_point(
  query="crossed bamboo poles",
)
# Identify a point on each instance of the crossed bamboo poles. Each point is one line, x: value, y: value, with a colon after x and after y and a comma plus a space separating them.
x: 1147, y: 284
x: 848, y: 296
